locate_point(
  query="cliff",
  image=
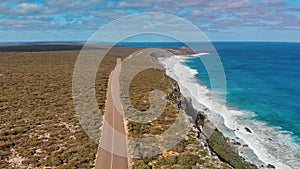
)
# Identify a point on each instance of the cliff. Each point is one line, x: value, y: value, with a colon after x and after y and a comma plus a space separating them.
x: 216, y: 141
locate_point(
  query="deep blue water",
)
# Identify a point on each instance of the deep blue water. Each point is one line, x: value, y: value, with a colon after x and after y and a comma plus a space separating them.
x: 152, y: 44
x: 262, y: 77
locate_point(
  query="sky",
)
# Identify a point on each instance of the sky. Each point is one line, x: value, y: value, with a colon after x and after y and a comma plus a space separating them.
x: 220, y: 20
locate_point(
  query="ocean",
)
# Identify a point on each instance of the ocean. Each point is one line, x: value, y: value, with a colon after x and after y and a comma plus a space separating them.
x: 262, y: 94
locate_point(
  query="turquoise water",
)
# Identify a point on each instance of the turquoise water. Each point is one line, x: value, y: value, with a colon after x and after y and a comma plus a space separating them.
x: 263, y: 78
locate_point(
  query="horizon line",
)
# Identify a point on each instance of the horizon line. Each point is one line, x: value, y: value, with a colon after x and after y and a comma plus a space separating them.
x: 83, y: 42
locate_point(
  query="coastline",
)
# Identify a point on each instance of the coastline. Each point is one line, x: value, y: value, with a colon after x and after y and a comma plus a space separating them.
x: 263, y: 145
x: 226, y: 150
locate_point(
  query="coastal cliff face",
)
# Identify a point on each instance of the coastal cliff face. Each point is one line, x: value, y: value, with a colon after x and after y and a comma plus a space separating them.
x: 209, y: 135
x: 206, y: 133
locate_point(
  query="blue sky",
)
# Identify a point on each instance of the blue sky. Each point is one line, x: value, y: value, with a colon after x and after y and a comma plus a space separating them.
x: 220, y: 20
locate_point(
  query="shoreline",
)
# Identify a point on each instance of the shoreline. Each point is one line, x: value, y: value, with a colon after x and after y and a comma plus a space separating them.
x: 254, y: 140
x: 266, y: 146
x: 206, y: 125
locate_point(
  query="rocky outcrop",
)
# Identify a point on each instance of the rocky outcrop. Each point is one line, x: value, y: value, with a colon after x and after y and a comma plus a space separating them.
x: 270, y: 166
x: 248, y: 130
x: 184, y: 50
x: 216, y: 141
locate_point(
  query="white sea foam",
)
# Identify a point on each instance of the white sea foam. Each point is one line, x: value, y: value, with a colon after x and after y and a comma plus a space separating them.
x: 265, y: 145
x: 200, y: 54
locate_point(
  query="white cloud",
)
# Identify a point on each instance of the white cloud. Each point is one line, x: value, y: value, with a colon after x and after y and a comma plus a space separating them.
x: 70, y: 4
x: 217, y: 14
x: 27, y: 8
